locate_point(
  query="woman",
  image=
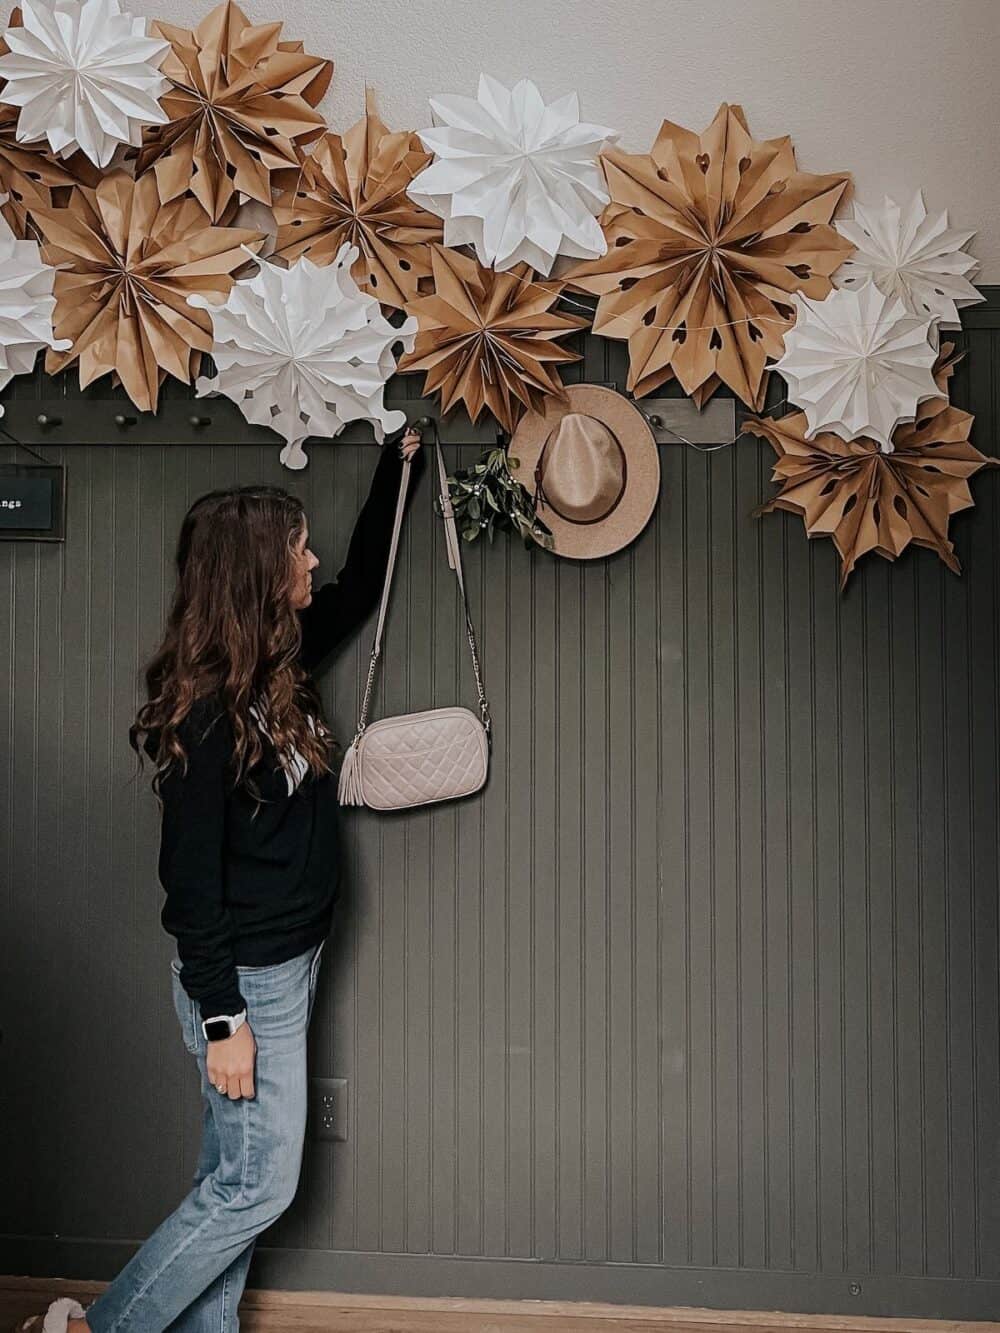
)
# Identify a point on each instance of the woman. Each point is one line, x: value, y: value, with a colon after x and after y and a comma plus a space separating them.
x: 248, y: 859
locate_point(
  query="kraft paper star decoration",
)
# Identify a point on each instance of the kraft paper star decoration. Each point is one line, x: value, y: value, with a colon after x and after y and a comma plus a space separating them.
x: 240, y: 103
x: 488, y: 339
x: 868, y: 500
x: 708, y: 237
x: 353, y: 188
x: 127, y: 265
x: 29, y: 174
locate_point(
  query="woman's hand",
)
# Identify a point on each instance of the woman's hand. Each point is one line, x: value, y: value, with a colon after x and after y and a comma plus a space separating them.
x: 410, y: 443
x: 229, y: 1063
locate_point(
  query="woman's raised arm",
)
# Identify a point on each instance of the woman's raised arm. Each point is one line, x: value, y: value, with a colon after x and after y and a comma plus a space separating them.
x: 339, y: 607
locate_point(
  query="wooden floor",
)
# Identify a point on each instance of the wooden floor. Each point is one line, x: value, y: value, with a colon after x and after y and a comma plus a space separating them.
x: 329, y: 1312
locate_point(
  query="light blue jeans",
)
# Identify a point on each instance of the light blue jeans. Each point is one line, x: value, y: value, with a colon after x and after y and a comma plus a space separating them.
x: 189, y: 1275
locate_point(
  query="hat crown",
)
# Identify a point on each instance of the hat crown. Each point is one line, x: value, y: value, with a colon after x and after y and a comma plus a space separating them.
x: 582, y: 469
x: 609, y: 455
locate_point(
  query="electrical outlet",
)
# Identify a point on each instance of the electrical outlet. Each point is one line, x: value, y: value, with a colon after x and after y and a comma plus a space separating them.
x: 328, y: 1108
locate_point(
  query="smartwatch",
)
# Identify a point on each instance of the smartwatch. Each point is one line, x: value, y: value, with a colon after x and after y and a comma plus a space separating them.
x: 221, y: 1026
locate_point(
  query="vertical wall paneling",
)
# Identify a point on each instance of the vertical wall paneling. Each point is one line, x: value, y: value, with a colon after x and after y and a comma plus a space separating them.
x: 696, y: 1002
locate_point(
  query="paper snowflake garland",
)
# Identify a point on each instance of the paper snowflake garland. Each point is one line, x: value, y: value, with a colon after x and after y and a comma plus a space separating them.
x: 909, y: 254
x: 85, y: 75
x: 858, y: 363
x: 26, y: 305
x: 516, y: 178
x: 304, y: 351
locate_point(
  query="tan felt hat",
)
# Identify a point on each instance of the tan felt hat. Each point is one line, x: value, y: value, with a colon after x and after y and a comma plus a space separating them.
x: 591, y: 463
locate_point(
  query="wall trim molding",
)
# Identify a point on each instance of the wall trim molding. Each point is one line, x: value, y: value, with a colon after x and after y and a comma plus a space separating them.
x: 469, y: 1277
x: 339, y: 1312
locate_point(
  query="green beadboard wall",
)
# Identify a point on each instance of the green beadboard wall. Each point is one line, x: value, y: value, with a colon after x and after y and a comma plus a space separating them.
x: 696, y: 1003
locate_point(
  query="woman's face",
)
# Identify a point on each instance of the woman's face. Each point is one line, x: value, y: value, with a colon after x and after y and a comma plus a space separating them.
x: 303, y: 564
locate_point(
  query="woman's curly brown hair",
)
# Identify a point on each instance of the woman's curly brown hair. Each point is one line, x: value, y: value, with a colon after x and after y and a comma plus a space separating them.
x: 232, y: 631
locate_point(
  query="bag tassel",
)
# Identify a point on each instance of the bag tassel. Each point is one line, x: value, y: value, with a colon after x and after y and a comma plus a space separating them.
x: 349, y: 782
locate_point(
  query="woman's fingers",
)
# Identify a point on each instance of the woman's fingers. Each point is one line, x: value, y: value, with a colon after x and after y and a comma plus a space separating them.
x: 410, y: 443
x: 229, y: 1064
x: 237, y: 1086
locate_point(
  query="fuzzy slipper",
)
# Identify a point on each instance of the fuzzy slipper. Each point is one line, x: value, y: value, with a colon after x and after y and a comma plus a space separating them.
x: 54, y: 1319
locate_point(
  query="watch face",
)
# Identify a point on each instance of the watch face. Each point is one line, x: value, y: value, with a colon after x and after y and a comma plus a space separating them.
x: 216, y: 1029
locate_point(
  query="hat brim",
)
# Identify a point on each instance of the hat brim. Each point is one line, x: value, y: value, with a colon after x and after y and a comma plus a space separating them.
x: 590, y: 541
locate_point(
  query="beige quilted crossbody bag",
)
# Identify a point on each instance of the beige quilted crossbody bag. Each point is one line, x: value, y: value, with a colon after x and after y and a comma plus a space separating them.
x: 418, y: 758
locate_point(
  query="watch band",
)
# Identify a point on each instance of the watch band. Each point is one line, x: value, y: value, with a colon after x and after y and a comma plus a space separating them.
x: 221, y: 1026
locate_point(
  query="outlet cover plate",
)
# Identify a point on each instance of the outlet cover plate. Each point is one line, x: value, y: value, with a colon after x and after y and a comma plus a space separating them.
x: 328, y: 1108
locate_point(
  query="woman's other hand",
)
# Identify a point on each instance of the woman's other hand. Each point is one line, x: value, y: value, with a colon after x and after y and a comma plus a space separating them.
x: 229, y: 1063
x: 410, y: 443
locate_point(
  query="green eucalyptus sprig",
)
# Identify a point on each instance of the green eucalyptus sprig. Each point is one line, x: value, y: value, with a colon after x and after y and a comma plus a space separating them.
x: 486, y: 497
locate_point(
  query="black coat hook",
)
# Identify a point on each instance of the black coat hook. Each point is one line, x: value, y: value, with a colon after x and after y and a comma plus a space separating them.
x: 122, y: 420
x: 197, y: 422
x: 45, y: 420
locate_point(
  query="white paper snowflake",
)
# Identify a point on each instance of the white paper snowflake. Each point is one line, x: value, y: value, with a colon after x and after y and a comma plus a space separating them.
x: 909, y: 254
x: 26, y: 305
x: 858, y: 363
x: 85, y: 75
x: 304, y: 351
x: 515, y: 178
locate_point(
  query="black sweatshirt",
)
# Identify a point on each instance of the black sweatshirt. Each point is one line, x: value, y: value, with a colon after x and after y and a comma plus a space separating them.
x: 259, y: 889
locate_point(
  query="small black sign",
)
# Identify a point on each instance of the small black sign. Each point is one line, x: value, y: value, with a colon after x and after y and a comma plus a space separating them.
x: 31, y: 502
